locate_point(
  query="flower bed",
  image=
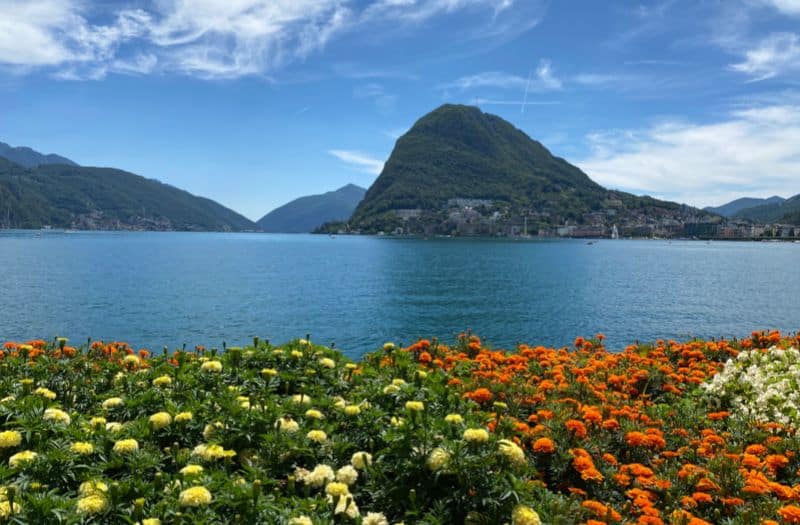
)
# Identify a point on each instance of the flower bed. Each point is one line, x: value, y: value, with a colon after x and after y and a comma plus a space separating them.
x: 429, y: 434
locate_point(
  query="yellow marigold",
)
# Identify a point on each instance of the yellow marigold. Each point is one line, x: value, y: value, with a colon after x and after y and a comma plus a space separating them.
x: 375, y: 518
x: 327, y: 362
x: 347, y: 506
x: 287, y: 424
x: 336, y: 489
x: 57, y: 415
x: 301, y: 520
x: 182, y: 417
x: 352, y: 410
x: 10, y: 438
x: 88, y: 488
x: 131, y: 359
x: 318, y: 477
x: 523, y: 515
x: 437, y: 459
x: 94, y: 504
x: 6, y: 510
x: 212, y: 367
x: 126, y: 446
x: 347, y: 474
x: 301, y: 399
x: 269, y: 372
x: 45, y: 393
x: 151, y: 521
x: 112, y: 402
x: 361, y: 460
x: 160, y: 420
x: 113, y: 427
x: 162, y: 381
x: 476, y: 435
x: 388, y: 346
x: 82, y: 448
x: 195, y: 497
x: 317, y: 436
x: 191, y: 470
x: 391, y: 389
x: 511, y: 451
x: 314, y: 414
x: 96, y: 422
x: 454, y: 419
x: 415, y: 406
x: 212, y: 452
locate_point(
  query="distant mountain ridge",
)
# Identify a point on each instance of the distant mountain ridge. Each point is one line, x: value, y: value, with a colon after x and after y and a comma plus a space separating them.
x: 461, y: 171
x: 77, y: 197
x: 740, y: 205
x: 30, y: 158
x: 305, y: 214
x: 783, y: 212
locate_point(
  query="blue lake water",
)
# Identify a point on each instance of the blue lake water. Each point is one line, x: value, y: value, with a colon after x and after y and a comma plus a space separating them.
x: 155, y: 289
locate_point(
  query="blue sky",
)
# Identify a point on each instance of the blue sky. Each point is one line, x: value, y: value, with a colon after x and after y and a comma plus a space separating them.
x: 256, y: 102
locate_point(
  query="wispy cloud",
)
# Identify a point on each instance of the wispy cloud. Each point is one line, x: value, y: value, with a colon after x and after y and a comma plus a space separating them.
x: 543, y: 79
x: 204, y: 38
x: 361, y: 161
x: 775, y: 55
x: 383, y: 100
x: 754, y: 151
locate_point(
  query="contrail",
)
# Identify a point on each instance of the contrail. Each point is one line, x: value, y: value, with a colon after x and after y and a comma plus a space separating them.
x: 527, y: 86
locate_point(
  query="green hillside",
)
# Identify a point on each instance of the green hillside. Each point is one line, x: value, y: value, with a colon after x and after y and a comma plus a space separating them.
x: 64, y: 196
x: 785, y: 212
x: 305, y: 214
x: 458, y: 154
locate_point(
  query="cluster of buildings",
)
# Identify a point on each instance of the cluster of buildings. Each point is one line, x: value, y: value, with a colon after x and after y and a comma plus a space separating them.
x: 474, y: 217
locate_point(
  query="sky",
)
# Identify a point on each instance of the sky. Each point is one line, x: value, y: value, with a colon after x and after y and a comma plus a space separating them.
x: 256, y: 102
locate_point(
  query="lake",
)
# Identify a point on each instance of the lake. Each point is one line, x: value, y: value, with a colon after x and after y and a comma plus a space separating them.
x: 156, y: 289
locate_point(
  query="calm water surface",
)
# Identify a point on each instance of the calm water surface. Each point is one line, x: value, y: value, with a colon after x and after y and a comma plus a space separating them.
x: 155, y: 289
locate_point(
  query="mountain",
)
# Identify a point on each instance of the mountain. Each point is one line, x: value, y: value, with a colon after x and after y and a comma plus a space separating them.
x: 739, y: 205
x: 29, y: 158
x: 64, y: 196
x: 305, y: 214
x: 459, y: 170
x: 784, y: 212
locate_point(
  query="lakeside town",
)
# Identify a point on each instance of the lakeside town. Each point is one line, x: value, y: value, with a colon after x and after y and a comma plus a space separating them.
x: 483, y: 217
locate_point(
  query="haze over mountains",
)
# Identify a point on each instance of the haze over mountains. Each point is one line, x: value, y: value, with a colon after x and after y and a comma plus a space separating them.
x: 739, y: 205
x: 30, y: 158
x: 305, y: 214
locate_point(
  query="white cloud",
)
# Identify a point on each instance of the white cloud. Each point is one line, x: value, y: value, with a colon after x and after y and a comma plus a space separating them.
x: 361, y: 161
x: 543, y: 79
x: 755, y: 151
x: 206, y: 38
x: 789, y: 7
x: 52, y: 32
x: 777, y: 54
